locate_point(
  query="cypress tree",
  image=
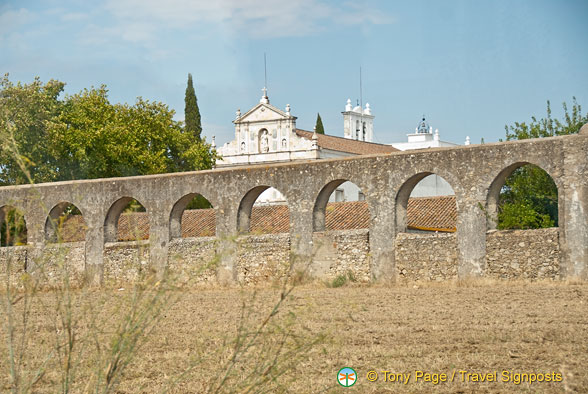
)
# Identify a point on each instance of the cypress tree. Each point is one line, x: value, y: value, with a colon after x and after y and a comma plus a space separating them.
x: 191, y: 111
x: 319, y: 124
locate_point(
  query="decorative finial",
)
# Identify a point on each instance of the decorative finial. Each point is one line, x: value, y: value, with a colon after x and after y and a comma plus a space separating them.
x: 314, y: 139
x: 238, y: 113
x: 367, y: 110
x: 213, y: 142
x: 264, y: 98
x: 467, y: 141
x: 348, y: 106
x: 288, y: 109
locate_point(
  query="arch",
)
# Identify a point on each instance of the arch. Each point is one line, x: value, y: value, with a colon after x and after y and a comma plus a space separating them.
x: 13, y: 226
x: 321, y: 213
x: 112, y: 221
x: 60, y: 226
x: 244, y: 215
x: 402, y: 204
x: 178, y: 213
x: 493, y: 196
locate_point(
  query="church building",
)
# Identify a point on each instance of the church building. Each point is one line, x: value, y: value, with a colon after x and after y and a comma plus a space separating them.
x: 267, y: 134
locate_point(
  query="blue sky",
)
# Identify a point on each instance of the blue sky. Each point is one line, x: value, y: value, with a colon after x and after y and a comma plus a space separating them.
x: 470, y: 66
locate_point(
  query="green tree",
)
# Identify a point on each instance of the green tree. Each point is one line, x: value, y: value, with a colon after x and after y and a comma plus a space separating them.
x: 84, y: 136
x: 26, y: 113
x: 528, y: 198
x: 319, y: 124
x: 191, y: 111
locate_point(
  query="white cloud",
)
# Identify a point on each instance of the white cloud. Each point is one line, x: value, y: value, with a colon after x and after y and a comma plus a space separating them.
x: 254, y: 18
x: 10, y: 19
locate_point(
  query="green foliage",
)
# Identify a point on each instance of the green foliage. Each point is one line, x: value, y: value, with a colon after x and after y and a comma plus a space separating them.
x: 199, y: 202
x: 549, y: 127
x: 13, y: 228
x: 529, y: 196
x: 342, y: 279
x: 191, y: 111
x: 319, y: 124
x: 528, y: 200
x: 84, y: 136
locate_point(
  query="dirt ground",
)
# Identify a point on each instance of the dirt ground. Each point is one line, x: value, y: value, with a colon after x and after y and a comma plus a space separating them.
x: 504, y: 329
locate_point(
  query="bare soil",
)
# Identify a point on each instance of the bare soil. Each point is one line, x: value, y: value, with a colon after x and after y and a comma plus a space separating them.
x: 477, y: 327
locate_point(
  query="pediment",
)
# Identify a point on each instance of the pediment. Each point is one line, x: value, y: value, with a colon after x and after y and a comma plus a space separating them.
x: 263, y: 112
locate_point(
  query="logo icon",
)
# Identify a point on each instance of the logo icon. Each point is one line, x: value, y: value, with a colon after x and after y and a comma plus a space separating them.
x: 346, y: 377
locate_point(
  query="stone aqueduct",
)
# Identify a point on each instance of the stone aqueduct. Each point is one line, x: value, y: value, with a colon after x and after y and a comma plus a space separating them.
x: 476, y: 173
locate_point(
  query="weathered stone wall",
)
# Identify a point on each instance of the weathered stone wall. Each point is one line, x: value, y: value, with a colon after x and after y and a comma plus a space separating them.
x: 265, y: 259
x: 525, y: 254
x: 428, y: 257
x: 59, y: 261
x: 13, y: 262
x: 262, y: 258
x: 193, y: 260
x: 125, y: 261
x: 341, y: 253
x: 475, y: 172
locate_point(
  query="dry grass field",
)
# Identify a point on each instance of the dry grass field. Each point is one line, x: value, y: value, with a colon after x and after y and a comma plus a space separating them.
x: 478, y: 327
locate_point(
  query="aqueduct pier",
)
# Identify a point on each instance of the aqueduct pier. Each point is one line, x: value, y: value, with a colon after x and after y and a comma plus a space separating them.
x: 476, y: 173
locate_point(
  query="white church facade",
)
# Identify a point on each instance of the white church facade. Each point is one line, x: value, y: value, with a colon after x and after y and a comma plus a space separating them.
x: 267, y: 134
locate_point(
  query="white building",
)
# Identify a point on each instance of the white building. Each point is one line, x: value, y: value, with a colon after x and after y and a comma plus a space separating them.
x: 266, y: 134
x: 424, y: 138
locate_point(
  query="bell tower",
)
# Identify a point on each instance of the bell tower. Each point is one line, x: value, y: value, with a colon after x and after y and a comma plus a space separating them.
x: 358, y: 123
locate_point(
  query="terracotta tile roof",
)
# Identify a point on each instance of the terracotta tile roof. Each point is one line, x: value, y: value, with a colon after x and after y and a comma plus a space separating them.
x: 347, y: 145
x: 270, y: 219
x: 347, y: 215
x: 424, y: 213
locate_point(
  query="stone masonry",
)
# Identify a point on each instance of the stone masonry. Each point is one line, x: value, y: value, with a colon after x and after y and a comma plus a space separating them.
x: 476, y: 173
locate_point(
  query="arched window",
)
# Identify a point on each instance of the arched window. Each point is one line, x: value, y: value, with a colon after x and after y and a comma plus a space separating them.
x: 192, y: 216
x: 13, y: 226
x: 263, y: 216
x: 338, y: 207
x: 426, y: 202
x: 65, y: 223
x: 127, y: 220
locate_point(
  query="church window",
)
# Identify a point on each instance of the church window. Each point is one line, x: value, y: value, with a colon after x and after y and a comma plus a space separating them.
x: 364, y: 131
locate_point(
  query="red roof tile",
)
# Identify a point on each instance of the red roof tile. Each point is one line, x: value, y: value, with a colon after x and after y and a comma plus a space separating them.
x: 424, y: 213
x: 348, y: 145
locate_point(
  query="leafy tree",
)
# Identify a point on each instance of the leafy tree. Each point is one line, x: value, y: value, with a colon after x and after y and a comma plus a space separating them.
x: 529, y: 196
x: 191, y: 111
x: 84, y: 136
x: 26, y: 112
x: 319, y: 125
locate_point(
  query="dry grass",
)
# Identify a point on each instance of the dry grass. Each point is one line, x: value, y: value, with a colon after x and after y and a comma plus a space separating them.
x: 474, y: 326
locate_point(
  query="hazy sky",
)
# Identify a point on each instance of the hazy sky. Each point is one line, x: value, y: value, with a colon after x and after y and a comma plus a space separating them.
x: 470, y: 66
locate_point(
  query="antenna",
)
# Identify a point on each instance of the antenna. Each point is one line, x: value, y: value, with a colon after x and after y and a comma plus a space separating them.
x: 360, y: 90
x: 264, y: 71
x: 361, y: 107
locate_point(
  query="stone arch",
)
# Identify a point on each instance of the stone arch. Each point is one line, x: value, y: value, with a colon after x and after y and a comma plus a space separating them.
x: 244, y: 215
x: 17, y: 235
x: 177, y: 215
x: 112, y: 221
x: 61, y: 226
x: 320, y: 212
x: 404, y: 193
x: 493, y: 196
